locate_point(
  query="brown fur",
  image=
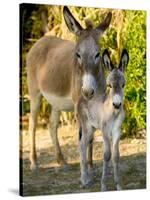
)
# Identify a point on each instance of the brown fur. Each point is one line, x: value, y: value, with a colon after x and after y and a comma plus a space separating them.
x: 52, y: 70
x: 44, y: 72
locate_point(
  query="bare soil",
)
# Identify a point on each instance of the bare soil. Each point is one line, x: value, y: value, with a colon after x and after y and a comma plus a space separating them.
x: 51, y: 178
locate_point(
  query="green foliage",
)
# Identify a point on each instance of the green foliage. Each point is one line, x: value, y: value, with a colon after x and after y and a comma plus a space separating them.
x: 127, y: 30
x: 135, y: 92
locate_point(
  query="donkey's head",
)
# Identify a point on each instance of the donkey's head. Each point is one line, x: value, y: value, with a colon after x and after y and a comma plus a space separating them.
x: 116, y: 79
x: 87, y: 51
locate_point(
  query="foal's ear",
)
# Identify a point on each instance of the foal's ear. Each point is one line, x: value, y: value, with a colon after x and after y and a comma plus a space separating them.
x: 104, y: 25
x: 107, y: 61
x: 124, y: 60
x: 72, y: 24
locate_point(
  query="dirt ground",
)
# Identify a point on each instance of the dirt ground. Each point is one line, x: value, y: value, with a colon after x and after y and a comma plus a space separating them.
x: 51, y: 178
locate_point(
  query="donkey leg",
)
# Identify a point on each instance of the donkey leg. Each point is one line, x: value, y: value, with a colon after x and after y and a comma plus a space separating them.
x: 90, y: 151
x: 115, y: 158
x: 90, y: 155
x: 106, y: 159
x: 83, y: 144
x: 54, y: 122
x: 34, y: 108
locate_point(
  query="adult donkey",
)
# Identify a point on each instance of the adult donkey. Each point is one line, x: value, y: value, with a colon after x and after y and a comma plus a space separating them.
x: 58, y: 69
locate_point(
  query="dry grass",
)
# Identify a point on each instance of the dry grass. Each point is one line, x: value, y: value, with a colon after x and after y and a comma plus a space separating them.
x: 53, y: 179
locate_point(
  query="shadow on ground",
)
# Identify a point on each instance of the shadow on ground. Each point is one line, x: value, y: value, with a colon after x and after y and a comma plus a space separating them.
x: 55, y: 180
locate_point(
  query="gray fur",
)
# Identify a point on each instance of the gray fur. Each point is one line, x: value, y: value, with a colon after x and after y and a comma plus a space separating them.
x: 101, y: 112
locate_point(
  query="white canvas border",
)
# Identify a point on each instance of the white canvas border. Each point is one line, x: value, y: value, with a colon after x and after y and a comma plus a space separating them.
x: 9, y: 88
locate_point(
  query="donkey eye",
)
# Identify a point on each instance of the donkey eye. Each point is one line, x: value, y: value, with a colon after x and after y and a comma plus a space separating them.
x: 97, y: 55
x: 123, y: 85
x: 78, y: 55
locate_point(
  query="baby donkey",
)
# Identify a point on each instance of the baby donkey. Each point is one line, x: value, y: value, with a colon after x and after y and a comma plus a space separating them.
x: 104, y: 112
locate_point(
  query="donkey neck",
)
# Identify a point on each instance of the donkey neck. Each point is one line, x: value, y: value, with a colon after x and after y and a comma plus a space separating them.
x: 101, y: 82
x: 101, y: 86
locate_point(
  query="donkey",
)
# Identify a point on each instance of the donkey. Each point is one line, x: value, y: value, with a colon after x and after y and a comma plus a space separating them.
x: 104, y: 112
x: 57, y: 69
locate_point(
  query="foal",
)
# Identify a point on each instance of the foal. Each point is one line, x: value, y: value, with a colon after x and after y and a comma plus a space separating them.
x: 103, y: 112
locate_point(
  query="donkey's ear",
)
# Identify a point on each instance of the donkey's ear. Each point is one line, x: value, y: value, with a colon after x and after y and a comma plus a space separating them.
x: 124, y: 60
x: 104, y: 25
x: 107, y: 61
x: 71, y: 22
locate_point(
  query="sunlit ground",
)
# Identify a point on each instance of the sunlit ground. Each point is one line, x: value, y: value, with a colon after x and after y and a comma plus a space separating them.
x: 53, y: 179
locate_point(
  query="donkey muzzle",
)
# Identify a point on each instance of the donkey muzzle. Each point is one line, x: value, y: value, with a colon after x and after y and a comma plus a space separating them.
x: 89, y: 85
x: 88, y: 94
x: 116, y: 105
x: 117, y: 101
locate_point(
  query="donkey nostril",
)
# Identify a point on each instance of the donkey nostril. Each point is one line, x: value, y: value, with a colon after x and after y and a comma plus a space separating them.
x: 88, y: 93
x: 117, y: 106
x: 92, y: 92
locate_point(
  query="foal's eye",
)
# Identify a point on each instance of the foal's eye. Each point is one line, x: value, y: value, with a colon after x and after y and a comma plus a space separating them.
x: 109, y: 86
x: 123, y: 85
x: 97, y: 55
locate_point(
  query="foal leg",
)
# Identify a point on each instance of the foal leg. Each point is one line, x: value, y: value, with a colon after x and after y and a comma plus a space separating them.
x: 115, y: 158
x: 83, y: 144
x: 34, y: 108
x: 106, y: 159
x: 54, y: 122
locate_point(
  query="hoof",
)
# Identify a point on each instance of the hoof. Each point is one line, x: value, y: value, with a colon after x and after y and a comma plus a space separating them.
x: 118, y: 187
x: 87, y: 185
x: 60, y: 159
x: 103, y: 188
x: 63, y: 168
x: 66, y: 167
x: 34, y: 167
x: 63, y: 163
